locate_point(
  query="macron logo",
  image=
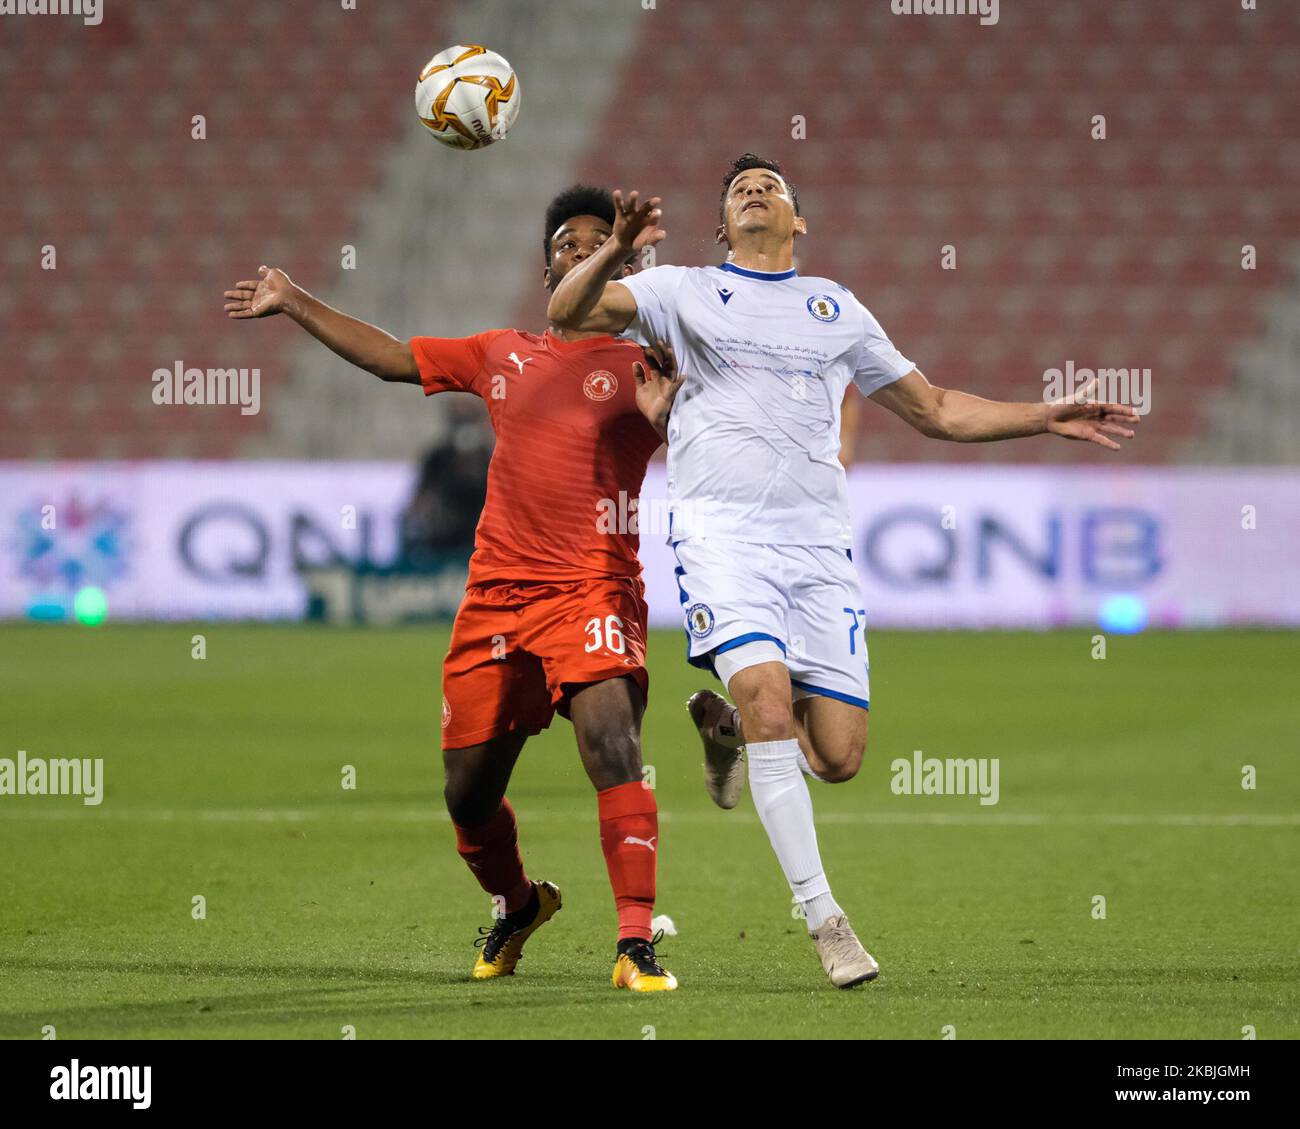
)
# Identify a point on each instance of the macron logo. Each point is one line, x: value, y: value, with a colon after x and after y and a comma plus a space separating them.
x: 633, y: 841
x: 519, y: 364
x: 725, y: 295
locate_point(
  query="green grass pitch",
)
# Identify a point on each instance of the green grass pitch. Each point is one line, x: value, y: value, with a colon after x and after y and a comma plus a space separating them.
x: 329, y: 908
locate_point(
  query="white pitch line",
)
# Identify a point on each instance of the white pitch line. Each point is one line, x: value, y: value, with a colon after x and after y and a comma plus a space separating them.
x: 431, y: 814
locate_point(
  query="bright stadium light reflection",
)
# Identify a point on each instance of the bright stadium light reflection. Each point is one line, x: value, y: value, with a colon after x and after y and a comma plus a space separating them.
x: 1123, y: 615
x: 91, y: 606
x: 45, y: 608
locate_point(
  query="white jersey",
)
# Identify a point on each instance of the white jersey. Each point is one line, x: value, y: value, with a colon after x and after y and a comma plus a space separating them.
x: 754, y: 435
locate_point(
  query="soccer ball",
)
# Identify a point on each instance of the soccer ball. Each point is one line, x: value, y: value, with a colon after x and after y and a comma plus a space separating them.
x: 467, y: 97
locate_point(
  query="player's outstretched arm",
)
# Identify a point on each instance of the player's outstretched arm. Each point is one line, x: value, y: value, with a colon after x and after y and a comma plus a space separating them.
x: 365, y: 346
x: 942, y: 413
x: 586, y: 299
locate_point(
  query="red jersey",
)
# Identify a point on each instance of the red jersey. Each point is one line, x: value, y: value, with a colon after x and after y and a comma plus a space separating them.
x: 569, y: 439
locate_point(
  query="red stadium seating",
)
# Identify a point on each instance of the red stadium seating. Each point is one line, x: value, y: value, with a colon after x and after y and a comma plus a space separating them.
x: 150, y: 226
x: 921, y: 132
x: 925, y: 131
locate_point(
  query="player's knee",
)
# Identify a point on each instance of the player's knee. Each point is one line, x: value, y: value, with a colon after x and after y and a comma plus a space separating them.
x: 842, y: 758
x: 845, y: 767
x: 611, y: 754
x: 466, y: 808
x: 768, y: 716
x: 468, y: 802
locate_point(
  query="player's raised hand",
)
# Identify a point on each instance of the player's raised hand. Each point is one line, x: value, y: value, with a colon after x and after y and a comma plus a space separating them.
x: 657, y: 388
x: 636, y: 225
x: 1078, y: 417
x: 261, y: 297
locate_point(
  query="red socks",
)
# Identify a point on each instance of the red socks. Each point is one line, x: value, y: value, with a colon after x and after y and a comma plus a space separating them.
x: 492, y: 851
x: 629, y: 836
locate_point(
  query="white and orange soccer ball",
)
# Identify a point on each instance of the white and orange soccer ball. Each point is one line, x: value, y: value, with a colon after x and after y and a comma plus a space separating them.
x: 467, y: 97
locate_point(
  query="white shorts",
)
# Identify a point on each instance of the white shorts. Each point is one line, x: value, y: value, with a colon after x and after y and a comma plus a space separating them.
x: 804, y: 598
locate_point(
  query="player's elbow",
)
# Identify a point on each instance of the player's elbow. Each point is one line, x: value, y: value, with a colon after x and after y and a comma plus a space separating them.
x: 932, y: 419
x: 560, y: 311
x: 396, y: 365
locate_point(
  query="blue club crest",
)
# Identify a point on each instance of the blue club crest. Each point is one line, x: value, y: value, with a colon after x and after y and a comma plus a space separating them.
x: 823, y: 307
x: 699, y: 620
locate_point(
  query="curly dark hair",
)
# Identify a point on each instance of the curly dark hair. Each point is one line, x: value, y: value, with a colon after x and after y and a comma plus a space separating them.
x: 577, y: 200
x: 744, y: 163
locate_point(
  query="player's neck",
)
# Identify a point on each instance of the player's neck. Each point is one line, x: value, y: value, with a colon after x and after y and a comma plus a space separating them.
x: 568, y: 335
x: 773, y: 260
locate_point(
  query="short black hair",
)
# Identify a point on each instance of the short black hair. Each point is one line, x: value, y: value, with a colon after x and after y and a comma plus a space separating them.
x: 744, y: 163
x: 576, y: 200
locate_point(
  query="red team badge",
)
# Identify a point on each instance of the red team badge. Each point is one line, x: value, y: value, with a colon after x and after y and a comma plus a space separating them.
x: 600, y: 385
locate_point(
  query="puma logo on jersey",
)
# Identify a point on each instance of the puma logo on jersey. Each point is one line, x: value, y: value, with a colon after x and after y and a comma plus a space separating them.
x: 519, y: 364
x: 633, y: 841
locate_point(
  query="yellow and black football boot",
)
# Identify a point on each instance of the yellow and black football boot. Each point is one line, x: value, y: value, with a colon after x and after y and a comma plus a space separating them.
x: 638, y: 970
x: 503, y: 942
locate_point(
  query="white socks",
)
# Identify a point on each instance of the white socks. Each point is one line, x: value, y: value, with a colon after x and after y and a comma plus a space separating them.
x: 735, y: 738
x: 805, y: 767
x: 785, y: 809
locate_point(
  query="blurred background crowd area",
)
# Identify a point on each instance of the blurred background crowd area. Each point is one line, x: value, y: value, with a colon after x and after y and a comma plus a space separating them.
x: 918, y: 133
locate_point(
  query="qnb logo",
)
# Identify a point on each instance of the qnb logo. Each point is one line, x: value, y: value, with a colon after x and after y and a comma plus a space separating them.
x: 102, y: 1083
x: 90, y: 11
x: 71, y: 543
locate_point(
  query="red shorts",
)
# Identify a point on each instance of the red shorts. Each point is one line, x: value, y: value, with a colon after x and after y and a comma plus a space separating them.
x: 515, y: 647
